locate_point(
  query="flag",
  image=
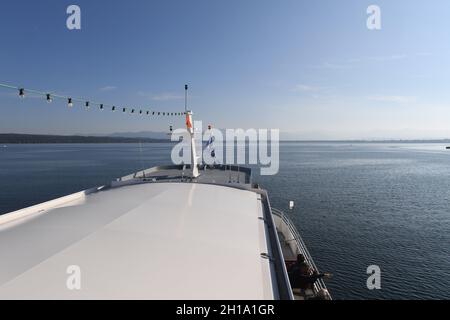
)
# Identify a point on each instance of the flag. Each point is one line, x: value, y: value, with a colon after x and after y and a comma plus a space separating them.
x: 210, y: 141
x: 188, y: 122
x: 209, y: 146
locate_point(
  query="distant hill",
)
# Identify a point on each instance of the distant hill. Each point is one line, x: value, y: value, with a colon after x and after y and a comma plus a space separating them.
x: 140, y: 134
x: 13, y: 138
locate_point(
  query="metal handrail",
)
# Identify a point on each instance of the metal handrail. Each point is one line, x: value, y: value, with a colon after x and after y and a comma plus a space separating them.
x: 300, y: 244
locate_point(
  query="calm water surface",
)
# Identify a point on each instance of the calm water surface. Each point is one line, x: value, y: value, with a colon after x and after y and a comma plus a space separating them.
x: 356, y: 204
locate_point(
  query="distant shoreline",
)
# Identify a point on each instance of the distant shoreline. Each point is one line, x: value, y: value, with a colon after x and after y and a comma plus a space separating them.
x: 54, y: 139
x: 17, y: 138
x: 446, y: 141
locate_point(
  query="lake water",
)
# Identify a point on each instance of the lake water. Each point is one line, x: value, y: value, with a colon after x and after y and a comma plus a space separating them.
x: 356, y: 204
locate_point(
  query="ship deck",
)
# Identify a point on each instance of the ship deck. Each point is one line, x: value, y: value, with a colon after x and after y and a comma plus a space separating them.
x: 158, y: 234
x: 218, y: 174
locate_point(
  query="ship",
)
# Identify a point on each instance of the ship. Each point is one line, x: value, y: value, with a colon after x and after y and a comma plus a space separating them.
x: 189, y: 232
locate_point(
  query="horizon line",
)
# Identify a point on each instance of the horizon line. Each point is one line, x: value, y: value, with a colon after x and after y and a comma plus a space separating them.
x: 436, y: 140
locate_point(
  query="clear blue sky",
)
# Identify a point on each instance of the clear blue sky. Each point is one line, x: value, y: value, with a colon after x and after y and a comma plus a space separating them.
x: 310, y: 68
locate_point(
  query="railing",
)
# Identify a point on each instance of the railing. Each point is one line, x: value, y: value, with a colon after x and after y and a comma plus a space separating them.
x: 300, y: 245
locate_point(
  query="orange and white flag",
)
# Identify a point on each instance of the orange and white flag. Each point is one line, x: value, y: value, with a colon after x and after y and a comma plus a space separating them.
x: 188, y: 121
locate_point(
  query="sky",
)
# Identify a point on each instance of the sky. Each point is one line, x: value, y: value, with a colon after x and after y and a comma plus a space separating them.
x: 309, y: 68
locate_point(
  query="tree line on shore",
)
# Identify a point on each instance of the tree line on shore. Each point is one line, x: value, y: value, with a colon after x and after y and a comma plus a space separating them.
x: 13, y: 138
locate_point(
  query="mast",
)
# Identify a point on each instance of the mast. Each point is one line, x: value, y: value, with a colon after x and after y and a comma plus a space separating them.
x: 190, y: 129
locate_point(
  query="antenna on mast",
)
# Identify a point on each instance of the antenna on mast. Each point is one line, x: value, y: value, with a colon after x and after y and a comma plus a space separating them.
x: 185, y: 97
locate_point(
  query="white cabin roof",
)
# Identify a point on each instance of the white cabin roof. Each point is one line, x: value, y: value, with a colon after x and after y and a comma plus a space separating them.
x: 141, y: 241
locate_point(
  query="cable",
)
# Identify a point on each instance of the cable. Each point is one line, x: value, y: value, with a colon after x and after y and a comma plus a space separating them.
x: 49, y: 96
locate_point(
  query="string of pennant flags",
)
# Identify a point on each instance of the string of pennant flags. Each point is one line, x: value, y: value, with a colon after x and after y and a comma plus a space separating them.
x: 22, y: 92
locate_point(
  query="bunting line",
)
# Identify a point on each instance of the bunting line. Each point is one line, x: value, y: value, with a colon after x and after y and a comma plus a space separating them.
x: 21, y: 91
